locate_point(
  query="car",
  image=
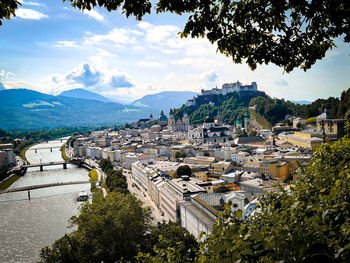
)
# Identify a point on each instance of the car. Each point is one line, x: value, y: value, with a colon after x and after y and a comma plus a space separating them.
x: 83, y: 196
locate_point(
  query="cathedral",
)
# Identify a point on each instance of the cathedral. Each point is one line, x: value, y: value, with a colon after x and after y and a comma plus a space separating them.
x: 179, y: 125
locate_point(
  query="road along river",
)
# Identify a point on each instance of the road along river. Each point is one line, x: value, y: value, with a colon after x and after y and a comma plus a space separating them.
x: 28, y: 225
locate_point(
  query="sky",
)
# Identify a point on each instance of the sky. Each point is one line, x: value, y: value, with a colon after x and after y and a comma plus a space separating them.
x: 51, y: 47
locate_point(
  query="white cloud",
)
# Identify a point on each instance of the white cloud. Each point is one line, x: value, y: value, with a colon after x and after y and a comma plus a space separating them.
x: 66, y: 44
x: 31, y: 3
x: 4, y: 75
x: 93, y: 14
x: 150, y: 64
x: 93, y: 77
x: 118, y: 37
x: 19, y: 85
x: 30, y: 14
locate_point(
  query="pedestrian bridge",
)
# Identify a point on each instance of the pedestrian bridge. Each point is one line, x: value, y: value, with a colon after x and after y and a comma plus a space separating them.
x: 32, y: 187
x: 44, y: 148
x: 41, y: 165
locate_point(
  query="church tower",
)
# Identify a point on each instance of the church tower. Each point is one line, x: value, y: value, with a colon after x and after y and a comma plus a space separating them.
x: 171, y: 122
x: 247, y: 122
x: 219, y: 119
x: 185, y: 122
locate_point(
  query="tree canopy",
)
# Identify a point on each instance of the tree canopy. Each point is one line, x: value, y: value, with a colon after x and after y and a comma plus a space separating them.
x: 117, y: 229
x: 116, y: 181
x: 287, y: 33
x: 183, y: 170
x: 107, y: 230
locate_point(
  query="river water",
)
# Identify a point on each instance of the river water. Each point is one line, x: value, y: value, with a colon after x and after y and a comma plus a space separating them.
x: 28, y: 225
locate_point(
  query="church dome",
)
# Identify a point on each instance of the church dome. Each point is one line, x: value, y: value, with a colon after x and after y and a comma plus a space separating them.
x: 162, y: 117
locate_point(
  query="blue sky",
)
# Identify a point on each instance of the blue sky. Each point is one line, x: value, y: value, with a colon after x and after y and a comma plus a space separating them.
x: 51, y: 47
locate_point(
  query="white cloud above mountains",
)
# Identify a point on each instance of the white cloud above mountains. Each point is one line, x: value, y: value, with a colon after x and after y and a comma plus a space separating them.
x: 90, y: 77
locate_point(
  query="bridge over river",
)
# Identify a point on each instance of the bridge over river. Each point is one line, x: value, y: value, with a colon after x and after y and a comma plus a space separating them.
x: 32, y: 187
x: 43, y: 148
x: 78, y: 162
x: 41, y: 165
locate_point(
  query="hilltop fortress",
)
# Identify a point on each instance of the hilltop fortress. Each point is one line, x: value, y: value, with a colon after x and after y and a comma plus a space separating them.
x: 207, y: 96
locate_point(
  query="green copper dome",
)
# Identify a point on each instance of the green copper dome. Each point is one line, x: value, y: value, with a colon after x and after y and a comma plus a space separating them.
x: 162, y: 117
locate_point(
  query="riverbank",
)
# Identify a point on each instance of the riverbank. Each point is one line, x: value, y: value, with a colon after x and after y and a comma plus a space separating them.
x: 9, y: 181
x: 63, y: 152
x: 23, y: 151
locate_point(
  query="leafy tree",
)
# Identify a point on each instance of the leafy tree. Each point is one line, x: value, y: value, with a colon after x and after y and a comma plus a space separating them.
x: 183, y: 170
x: 116, y: 181
x: 170, y: 236
x: 106, y: 165
x: 108, y: 230
x: 179, y: 154
x: 287, y: 33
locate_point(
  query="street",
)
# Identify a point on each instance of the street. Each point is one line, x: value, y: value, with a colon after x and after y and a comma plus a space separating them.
x: 143, y: 196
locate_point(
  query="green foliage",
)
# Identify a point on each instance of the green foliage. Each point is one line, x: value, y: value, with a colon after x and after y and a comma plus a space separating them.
x: 222, y: 189
x: 183, y: 170
x: 169, y: 240
x: 274, y: 110
x: 93, y: 177
x: 289, y: 34
x: 8, y: 8
x: 310, y: 120
x: 63, y: 152
x: 261, y: 120
x: 8, y: 182
x: 116, y: 181
x: 106, y: 165
x: 232, y: 108
x: 179, y: 154
x: 107, y: 230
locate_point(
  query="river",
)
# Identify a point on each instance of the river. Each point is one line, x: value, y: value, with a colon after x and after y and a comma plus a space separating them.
x: 28, y: 225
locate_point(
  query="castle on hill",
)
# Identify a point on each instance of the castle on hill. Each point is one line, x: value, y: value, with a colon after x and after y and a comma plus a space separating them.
x: 227, y: 88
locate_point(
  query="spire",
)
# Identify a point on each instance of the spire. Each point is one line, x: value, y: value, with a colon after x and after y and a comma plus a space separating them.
x: 247, y: 115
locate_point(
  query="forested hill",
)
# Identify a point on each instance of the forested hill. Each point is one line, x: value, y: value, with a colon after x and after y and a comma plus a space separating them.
x: 274, y: 110
x: 233, y: 107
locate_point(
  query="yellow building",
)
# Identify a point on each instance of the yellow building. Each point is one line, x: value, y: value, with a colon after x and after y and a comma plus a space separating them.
x: 200, y: 160
x: 305, y: 139
x: 203, y: 176
x: 221, y: 167
x: 278, y: 170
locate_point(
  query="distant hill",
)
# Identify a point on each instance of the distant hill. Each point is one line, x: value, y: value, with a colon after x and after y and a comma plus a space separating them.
x: 2, y: 86
x: 302, y: 102
x: 84, y: 94
x: 165, y: 100
x: 27, y: 109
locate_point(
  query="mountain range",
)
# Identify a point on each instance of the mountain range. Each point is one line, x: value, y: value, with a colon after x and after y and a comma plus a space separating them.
x: 165, y: 100
x: 31, y: 110
x: 84, y: 94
